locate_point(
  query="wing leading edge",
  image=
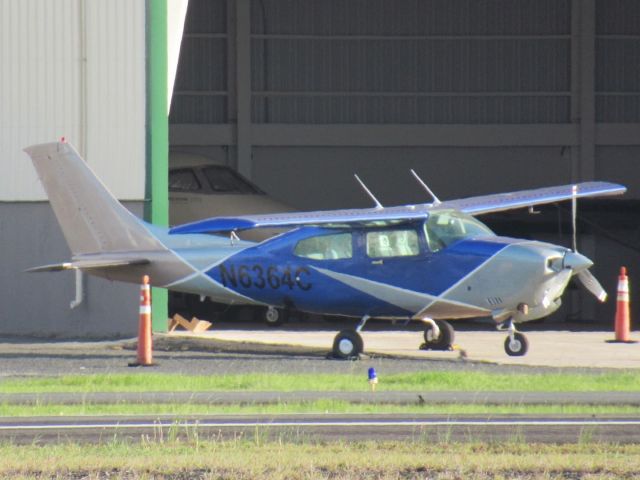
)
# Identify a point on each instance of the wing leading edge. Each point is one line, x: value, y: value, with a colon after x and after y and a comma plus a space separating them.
x: 472, y: 205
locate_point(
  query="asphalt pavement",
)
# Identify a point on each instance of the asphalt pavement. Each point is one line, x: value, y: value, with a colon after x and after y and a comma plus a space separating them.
x: 284, y: 351
x: 344, y: 427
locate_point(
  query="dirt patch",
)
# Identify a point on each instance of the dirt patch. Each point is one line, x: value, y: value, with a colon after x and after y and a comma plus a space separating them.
x: 180, y: 343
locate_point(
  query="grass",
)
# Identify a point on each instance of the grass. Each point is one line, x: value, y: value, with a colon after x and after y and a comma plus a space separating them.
x: 421, y: 381
x: 256, y: 457
x: 314, y: 407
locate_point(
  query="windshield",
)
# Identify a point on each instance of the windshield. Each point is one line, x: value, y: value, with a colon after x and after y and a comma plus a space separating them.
x: 224, y: 180
x: 444, y: 228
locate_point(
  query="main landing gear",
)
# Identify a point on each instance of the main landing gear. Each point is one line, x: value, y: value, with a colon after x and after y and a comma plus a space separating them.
x: 274, y: 317
x: 516, y: 343
x: 438, y: 335
x: 348, y: 343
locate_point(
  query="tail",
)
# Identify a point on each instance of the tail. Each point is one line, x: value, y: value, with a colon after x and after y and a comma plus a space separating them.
x: 91, y: 218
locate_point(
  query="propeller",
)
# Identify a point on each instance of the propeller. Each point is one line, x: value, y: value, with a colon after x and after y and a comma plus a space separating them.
x: 584, y: 276
x: 588, y: 281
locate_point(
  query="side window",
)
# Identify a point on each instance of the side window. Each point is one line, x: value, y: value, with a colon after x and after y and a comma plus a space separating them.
x: 325, y: 247
x: 392, y: 243
x: 183, y: 180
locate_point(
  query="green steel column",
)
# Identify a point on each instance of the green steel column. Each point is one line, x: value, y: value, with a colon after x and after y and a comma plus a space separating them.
x: 157, y: 208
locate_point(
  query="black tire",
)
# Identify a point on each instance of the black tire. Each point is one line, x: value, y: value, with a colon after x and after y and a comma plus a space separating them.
x: 347, y: 344
x: 281, y: 316
x: 518, y: 347
x: 444, y: 341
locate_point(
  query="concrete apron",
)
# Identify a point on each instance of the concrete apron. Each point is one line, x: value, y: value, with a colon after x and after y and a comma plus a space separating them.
x: 554, y: 349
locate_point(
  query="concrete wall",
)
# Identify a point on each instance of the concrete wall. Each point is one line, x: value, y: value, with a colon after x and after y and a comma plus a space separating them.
x: 37, y: 304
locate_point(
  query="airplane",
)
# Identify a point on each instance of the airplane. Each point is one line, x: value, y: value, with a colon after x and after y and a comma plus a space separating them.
x: 431, y: 262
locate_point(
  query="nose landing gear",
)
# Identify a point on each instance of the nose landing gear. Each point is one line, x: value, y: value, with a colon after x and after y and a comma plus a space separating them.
x: 516, y: 344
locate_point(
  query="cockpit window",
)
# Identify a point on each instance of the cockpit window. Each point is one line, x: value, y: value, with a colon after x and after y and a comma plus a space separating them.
x: 392, y: 243
x: 224, y: 180
x: 183, y: 180
x: 444, y: 228
x: 325, y: 247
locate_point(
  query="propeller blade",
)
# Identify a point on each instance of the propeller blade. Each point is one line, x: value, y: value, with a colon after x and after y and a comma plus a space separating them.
x: 591, y: 283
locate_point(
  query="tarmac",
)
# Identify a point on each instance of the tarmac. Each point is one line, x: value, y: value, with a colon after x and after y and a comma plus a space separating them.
x: 546, y: 348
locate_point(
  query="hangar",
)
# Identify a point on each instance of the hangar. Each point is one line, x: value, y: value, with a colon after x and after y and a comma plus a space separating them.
x: 479, y: 96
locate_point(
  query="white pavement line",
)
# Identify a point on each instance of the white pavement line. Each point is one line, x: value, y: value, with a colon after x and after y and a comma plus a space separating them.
x: 394, y: 423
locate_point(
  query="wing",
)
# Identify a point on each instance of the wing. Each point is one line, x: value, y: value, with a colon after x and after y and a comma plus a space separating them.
x: 472, y: 205
x: 525, y: 198
x: 294, y: 219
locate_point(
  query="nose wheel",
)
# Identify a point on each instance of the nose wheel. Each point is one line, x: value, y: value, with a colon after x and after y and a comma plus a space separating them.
x: 516, y: 344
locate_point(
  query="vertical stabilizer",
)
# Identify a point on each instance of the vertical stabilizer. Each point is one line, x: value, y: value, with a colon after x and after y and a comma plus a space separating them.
x: 91, y: 218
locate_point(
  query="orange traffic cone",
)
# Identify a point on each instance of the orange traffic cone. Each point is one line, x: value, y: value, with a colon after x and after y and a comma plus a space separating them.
x: 623, y: 318
x: 145, y: 345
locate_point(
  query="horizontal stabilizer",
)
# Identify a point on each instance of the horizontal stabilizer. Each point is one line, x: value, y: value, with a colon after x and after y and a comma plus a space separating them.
x: 56, y: 267
x: 89, y: 264
x: 472, y: 205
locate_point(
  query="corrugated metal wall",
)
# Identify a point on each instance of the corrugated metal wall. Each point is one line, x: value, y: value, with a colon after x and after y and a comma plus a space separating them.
x: 73, y: 68
x: 618, y: 61
x: 408, y: 61
x: 200, y: 92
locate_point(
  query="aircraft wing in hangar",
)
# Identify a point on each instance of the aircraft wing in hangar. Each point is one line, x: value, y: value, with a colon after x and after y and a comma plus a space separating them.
x: 473, y: 205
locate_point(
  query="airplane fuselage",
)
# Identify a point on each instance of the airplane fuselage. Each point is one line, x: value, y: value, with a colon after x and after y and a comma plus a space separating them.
x: 431, y: 261
x: 475, y: 276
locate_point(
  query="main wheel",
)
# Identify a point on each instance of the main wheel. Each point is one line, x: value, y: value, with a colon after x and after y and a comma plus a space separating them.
x: 347, y: 344
x: 274, y: 317
x: 516, y: 347
x: 444, y: 341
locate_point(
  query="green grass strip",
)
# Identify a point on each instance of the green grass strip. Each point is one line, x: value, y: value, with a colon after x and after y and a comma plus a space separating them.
x: 315, y: 407
x: 421, y: 381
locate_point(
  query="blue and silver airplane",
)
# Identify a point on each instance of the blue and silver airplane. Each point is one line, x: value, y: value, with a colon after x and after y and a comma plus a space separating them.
x: 430, y: 262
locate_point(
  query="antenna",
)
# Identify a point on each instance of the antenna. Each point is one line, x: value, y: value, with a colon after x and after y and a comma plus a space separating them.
x: 375, y: 200
x: 574, y: 214
x: 436, y: 200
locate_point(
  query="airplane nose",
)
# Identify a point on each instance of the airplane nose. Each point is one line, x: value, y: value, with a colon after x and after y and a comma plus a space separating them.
x: 576, y: 262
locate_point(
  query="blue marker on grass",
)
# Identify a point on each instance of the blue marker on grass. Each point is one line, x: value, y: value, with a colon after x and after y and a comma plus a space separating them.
x: 373, y: 378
